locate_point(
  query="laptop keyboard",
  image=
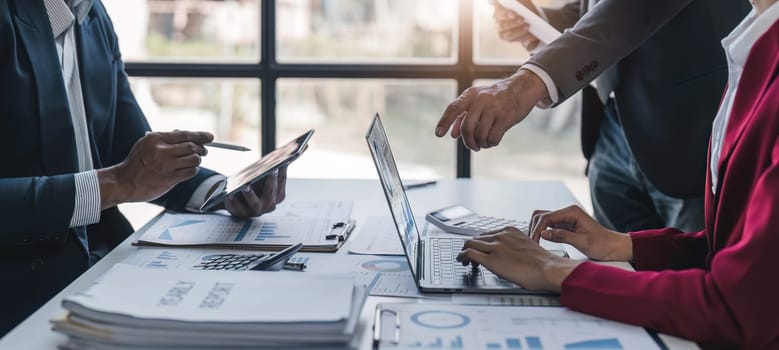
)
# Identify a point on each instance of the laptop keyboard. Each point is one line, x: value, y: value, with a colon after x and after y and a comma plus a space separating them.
x: 446, y: 270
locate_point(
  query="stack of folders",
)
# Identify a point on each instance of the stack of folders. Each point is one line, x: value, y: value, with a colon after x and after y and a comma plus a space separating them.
x: 134, y: 308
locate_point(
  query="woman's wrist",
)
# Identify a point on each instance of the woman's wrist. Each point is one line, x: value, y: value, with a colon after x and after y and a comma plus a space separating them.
x: 556, y: 270
x: 622, y: 247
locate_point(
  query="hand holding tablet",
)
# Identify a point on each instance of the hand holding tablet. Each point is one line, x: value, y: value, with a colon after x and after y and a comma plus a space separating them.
x: 243, y: 180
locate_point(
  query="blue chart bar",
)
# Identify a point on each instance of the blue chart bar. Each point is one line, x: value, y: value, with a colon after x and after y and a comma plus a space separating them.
x: 493, y: 345
x: 242, y: 233
x: 157, y: 265
x: 437, y: 344
x: 596, y: 344
x: 457, y: 343
x: 534, y: 342
x: 268, y: 231
x: 513, y: 343
x: 167, y: 256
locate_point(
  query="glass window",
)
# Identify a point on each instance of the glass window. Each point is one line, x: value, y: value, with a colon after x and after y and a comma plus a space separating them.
x: 544, y: 146
x: 341, y: 109
x: 229, y: 108
x: 192, y: 30
x: 488, y: 47
x: 375, y: 31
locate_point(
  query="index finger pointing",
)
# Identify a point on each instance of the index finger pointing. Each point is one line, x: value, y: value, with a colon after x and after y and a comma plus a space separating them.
x: 453, y: 110
x: 198, y: 137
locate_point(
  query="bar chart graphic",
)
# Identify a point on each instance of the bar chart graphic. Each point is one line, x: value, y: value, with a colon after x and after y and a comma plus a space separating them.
x: 268, y: 231
x: 513, y: 343
x: 536, y: 343
x: 439, y: 343
x: 162, y: 261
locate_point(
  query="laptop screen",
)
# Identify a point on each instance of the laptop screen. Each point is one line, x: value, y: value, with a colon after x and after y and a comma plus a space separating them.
x: 393, y: 189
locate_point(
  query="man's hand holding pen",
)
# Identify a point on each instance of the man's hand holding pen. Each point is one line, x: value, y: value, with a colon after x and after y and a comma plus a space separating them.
x: 156, y: 163
x: 160, y: 160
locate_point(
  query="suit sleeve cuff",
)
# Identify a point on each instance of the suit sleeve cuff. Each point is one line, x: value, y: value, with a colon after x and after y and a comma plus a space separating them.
x: 652, y: 249
x: 201, y: 193
x: 551, y: 88
x: 86, y: 208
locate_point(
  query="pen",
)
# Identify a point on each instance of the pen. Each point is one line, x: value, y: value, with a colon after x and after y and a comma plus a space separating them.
x: 227, y: 146
x: 297, y: 266
x: 419, y: 184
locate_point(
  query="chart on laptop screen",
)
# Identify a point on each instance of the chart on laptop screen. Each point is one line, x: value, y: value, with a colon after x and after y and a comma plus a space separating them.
x: 393, y: 187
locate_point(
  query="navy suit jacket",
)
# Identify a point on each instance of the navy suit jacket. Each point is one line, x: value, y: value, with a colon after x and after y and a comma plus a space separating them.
x: 39, y: 253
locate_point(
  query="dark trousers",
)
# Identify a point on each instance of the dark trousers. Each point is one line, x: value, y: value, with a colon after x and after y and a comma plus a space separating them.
x: 623, y: 198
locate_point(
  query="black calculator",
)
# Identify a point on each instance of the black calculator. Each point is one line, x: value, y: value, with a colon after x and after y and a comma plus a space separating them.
x: 238, y: 262
x: 230, y: 262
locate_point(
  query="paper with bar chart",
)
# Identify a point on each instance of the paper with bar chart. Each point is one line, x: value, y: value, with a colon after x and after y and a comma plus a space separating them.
x: 506, y: 299
x: 441, y: 326
x: 169, y: 259
x: 271, y: 232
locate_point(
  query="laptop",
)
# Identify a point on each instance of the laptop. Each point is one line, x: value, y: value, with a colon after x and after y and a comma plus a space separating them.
x: 431, y: 259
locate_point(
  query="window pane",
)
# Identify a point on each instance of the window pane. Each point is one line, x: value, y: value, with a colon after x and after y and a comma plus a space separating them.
x: 488, y: 47
x: 192, y: 30
x: 391, y: 31
x: 229, y: 108
x: 545, y: 146
x: 341, y: 109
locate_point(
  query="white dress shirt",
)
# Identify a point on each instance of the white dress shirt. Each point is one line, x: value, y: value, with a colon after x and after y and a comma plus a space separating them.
x: 737, y: 46
x: 63, y: 15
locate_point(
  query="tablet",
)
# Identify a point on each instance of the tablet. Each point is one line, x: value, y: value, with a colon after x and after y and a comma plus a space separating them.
x: 256, y: 171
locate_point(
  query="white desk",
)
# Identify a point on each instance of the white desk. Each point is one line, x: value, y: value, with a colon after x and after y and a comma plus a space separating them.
x: 498, y: 198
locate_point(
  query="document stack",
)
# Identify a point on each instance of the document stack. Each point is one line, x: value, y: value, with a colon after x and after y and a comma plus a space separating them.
x: 134, y: 308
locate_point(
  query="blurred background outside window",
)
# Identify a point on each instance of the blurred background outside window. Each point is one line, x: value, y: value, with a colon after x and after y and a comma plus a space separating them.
x: 171, y: 34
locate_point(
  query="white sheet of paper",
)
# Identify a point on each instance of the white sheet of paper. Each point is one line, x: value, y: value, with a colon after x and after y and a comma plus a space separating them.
x: 538, y: 26
x: 293, y: 222
x: 505, y: 300
x: 176, y: 258
x: 220, y: 230
x: 334, y: 210
x: 383, y: 275
x: 378, y: 236
x: 443, y: 326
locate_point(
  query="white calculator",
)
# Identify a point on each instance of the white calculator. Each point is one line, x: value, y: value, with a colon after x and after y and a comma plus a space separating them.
x: 461, y: 220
